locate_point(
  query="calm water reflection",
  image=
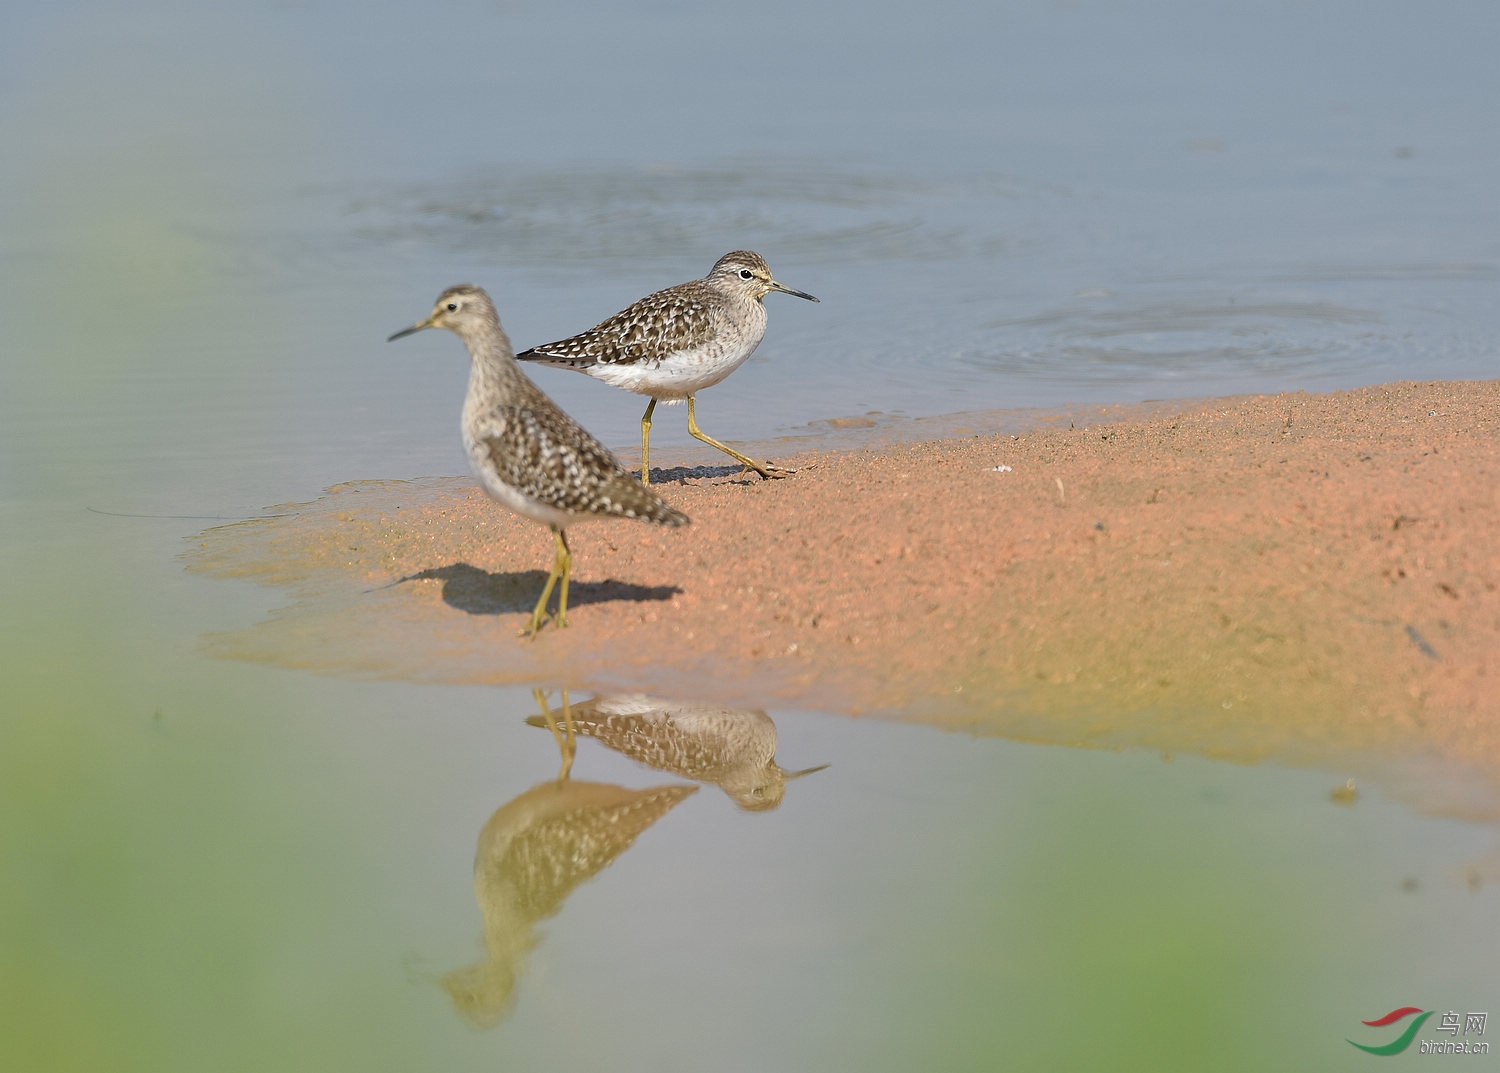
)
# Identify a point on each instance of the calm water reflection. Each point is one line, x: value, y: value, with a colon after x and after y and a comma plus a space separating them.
x: 733, y: 748
x: 533, y: 851
x: 560, y: 833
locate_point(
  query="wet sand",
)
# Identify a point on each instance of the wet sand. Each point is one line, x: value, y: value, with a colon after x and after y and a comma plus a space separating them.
x: 1306, y: 578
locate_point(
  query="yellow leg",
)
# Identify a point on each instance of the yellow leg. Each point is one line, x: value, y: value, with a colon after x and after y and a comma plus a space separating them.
x: 566, y: 554
x: 567, y: 745
x: 646, y: 443
x: 765, y: 470
x: 562, y: 563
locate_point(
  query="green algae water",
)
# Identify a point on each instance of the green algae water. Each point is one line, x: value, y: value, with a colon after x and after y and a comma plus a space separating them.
x: 233, y: 867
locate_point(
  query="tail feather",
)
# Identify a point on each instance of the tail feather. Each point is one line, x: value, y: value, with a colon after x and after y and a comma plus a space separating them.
x: 636, y: 500
x: 543, y: 358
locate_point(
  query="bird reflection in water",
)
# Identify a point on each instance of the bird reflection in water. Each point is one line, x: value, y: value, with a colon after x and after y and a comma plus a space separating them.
x: 731, y: 747
x: 532, y: 853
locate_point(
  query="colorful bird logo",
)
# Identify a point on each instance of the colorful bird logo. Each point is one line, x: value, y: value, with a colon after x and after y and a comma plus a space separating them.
x: 1401, y: 1042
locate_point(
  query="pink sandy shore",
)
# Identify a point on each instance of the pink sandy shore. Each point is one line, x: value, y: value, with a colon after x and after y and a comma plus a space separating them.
x: 1308, y: 578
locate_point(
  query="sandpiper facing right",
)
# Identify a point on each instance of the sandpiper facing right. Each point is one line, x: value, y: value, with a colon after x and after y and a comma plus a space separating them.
x: 674, y: 343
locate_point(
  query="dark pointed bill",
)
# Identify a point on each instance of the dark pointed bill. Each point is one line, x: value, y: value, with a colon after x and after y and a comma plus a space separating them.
x: 404, y: 332
x: 784, y: 289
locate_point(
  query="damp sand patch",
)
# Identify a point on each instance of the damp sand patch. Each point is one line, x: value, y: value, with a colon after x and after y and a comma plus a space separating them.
x: 1309, y: 579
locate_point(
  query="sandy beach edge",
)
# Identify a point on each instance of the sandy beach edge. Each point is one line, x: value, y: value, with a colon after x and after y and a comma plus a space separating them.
x: 1307, y: 578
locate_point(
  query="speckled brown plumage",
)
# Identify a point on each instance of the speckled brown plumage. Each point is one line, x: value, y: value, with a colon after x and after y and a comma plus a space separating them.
x: 546, y: 456
x: 672, y: 344
x: 734, y: 748
x: 542, y: 863
x: 526, y: 452
x: 531, y: 855
x: 658, y: 326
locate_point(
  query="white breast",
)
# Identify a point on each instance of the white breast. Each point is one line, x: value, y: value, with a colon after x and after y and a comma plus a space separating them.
x: 687, y: 372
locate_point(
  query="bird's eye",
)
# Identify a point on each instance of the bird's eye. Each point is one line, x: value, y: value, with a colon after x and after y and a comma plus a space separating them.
x: 452, y: 307
x: 745, y: 273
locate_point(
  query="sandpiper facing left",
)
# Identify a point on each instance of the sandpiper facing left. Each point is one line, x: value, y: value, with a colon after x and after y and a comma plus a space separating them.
x: 527, y: 453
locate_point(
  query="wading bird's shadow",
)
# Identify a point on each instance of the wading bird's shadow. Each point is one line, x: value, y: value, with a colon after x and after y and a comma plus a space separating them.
x: 660, y: 475
x: 479, y: 592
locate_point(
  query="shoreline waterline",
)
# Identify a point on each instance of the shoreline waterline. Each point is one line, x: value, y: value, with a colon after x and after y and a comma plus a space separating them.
x: 1296, y: 578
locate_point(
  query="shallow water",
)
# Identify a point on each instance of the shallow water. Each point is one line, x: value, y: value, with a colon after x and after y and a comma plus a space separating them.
x: 213, y: 218
x: 240, y: 866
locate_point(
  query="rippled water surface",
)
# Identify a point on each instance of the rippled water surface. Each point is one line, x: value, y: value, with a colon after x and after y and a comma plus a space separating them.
x: 212, y: 218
